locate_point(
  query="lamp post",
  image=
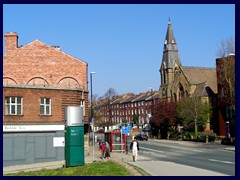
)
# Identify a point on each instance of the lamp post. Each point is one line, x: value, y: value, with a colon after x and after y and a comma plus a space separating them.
x: 93, y: 139
x: 151, y: 117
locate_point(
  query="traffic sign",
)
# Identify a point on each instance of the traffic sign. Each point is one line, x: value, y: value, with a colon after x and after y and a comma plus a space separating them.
x: 125, y: 130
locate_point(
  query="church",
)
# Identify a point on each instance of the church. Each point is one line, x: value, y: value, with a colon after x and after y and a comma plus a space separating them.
x: 178, y: 81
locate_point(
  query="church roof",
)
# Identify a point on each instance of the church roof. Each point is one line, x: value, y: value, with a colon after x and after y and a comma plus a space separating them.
x: 197, y: 75
x: 203, y: 89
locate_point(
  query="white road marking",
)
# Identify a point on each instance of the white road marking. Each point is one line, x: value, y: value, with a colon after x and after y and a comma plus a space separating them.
x: 152, y: 150
x: 226, y: 162
x: 176, y: 147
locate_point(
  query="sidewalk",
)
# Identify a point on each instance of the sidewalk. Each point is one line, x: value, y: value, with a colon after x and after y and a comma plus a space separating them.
x: 143, y: 166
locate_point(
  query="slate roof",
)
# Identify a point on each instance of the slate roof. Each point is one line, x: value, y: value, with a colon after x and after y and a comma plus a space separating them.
x: 203, y: 89
x: 198, y: 75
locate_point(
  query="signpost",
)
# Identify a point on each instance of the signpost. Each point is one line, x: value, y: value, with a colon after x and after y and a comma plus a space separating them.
x: 124, y: 130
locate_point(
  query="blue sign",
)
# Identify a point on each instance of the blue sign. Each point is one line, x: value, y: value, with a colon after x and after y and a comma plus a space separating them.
x: 125, y: 130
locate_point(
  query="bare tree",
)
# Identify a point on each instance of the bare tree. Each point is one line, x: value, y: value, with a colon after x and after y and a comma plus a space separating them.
x: 109, y: 95
x: 226, y: 80
x: 226, y: 47
x: 226, y: 75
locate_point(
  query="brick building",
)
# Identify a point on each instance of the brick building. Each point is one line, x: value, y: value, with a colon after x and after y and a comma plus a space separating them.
x: 122, y: 108
x: 226, y: 97
x: 39, y: 81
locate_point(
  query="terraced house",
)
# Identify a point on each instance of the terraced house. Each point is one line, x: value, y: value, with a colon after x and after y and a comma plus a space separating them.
x: 122, y: 108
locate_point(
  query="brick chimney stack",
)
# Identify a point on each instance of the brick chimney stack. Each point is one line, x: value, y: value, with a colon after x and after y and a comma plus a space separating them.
x: 11, y: 41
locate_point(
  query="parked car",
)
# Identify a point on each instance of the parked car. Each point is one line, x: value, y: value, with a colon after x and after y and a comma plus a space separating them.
x: 141, y: 137
x: 145, y: 128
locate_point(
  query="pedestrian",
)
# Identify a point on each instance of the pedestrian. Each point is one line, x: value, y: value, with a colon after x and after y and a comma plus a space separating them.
x: 99, y: 142
x: 107, y: 151
x: 134, y: 147
x: 103, y: 149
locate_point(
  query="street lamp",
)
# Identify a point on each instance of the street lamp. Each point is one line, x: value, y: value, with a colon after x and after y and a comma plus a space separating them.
x: 151, y: 117
x: 93, y: 139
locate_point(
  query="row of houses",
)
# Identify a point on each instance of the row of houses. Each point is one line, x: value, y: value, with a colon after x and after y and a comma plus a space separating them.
x: 123, y: 108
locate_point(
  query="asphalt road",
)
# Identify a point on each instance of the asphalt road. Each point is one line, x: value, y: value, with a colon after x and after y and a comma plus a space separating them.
x: 212, y: 158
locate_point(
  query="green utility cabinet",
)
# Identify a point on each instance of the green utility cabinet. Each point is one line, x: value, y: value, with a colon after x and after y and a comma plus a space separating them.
x: 74, y: 136
x: 74, y: 145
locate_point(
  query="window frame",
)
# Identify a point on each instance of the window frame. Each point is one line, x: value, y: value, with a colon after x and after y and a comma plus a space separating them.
x: 45, y: 105
x: 13, y: 104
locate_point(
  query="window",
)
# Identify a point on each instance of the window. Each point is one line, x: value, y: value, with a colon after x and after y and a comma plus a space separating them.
x: 13, y: 105
x: 45, y: 106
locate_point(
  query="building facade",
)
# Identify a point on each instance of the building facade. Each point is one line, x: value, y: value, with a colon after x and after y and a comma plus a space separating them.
x: 123, y: 108
x: 178, y: 81
x: 39, y: 81
x: 226, y: 97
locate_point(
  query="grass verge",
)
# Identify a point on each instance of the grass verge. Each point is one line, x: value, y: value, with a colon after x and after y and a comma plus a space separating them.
x: 92, y: 169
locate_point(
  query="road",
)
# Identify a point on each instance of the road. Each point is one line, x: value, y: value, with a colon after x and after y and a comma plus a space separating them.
x: 203, y: 157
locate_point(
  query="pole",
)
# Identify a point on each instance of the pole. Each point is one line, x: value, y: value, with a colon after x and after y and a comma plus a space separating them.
x: 93, y: 138
x: 122, y: 143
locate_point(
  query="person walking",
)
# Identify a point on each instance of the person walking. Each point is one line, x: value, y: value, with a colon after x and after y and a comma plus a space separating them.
x: 107, y: 151
x: 134, y: 147
x: 103, y: 149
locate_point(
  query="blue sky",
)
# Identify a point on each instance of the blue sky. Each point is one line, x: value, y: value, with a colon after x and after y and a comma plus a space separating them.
x: 123, y: 43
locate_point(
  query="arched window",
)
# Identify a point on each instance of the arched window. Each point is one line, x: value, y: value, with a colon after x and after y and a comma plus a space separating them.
x: 175, y: 73
x: 181, y: 91
x: 164, y: 76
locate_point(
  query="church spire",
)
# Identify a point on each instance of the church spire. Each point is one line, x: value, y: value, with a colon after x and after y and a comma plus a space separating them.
x: 170, y: 50
x: 170, y: 39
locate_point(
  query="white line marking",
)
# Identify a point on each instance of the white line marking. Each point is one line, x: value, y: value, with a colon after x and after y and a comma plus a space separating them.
x: 227, y: 162
x: 152, y: 150
x: 182, y: 148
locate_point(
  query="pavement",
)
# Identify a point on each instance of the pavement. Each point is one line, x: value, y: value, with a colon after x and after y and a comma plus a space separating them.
x: 143, y: 167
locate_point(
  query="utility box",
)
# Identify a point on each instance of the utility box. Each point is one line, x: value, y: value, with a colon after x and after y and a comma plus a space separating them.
x: 74, y: 136
x: 73, y: 116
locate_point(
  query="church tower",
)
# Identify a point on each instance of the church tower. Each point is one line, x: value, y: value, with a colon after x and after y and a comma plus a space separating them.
x: 170, y: 63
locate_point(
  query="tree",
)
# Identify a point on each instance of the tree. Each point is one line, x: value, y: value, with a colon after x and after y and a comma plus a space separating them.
x: 109, y: 95
x: 135, y: 118
x: 226, y: 80
x: 194, y: 113
x: 227, y: 73
x: 226, y: 47
x: 165, y: 116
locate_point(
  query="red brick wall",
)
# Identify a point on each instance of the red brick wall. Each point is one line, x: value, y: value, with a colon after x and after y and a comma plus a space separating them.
x: 31, y: 104
x: 43, y: 63
x: 38, y: 70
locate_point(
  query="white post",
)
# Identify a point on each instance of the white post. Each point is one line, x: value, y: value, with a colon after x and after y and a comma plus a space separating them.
x: 122, y: 143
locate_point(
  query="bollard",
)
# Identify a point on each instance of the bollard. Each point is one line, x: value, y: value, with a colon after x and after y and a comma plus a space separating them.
x: 206, y: 139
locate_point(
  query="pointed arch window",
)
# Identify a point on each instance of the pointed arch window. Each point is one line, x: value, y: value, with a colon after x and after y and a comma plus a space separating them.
x: 181, y: 91
x: 164, y: 76
x: 175, y: 73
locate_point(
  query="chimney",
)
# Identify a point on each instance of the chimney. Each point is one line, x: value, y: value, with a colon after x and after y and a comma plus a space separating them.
x: 11, y: 41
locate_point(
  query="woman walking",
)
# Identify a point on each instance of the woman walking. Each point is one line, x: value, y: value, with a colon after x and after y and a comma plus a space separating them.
x: 107, y: 153
x: 134, y: 147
